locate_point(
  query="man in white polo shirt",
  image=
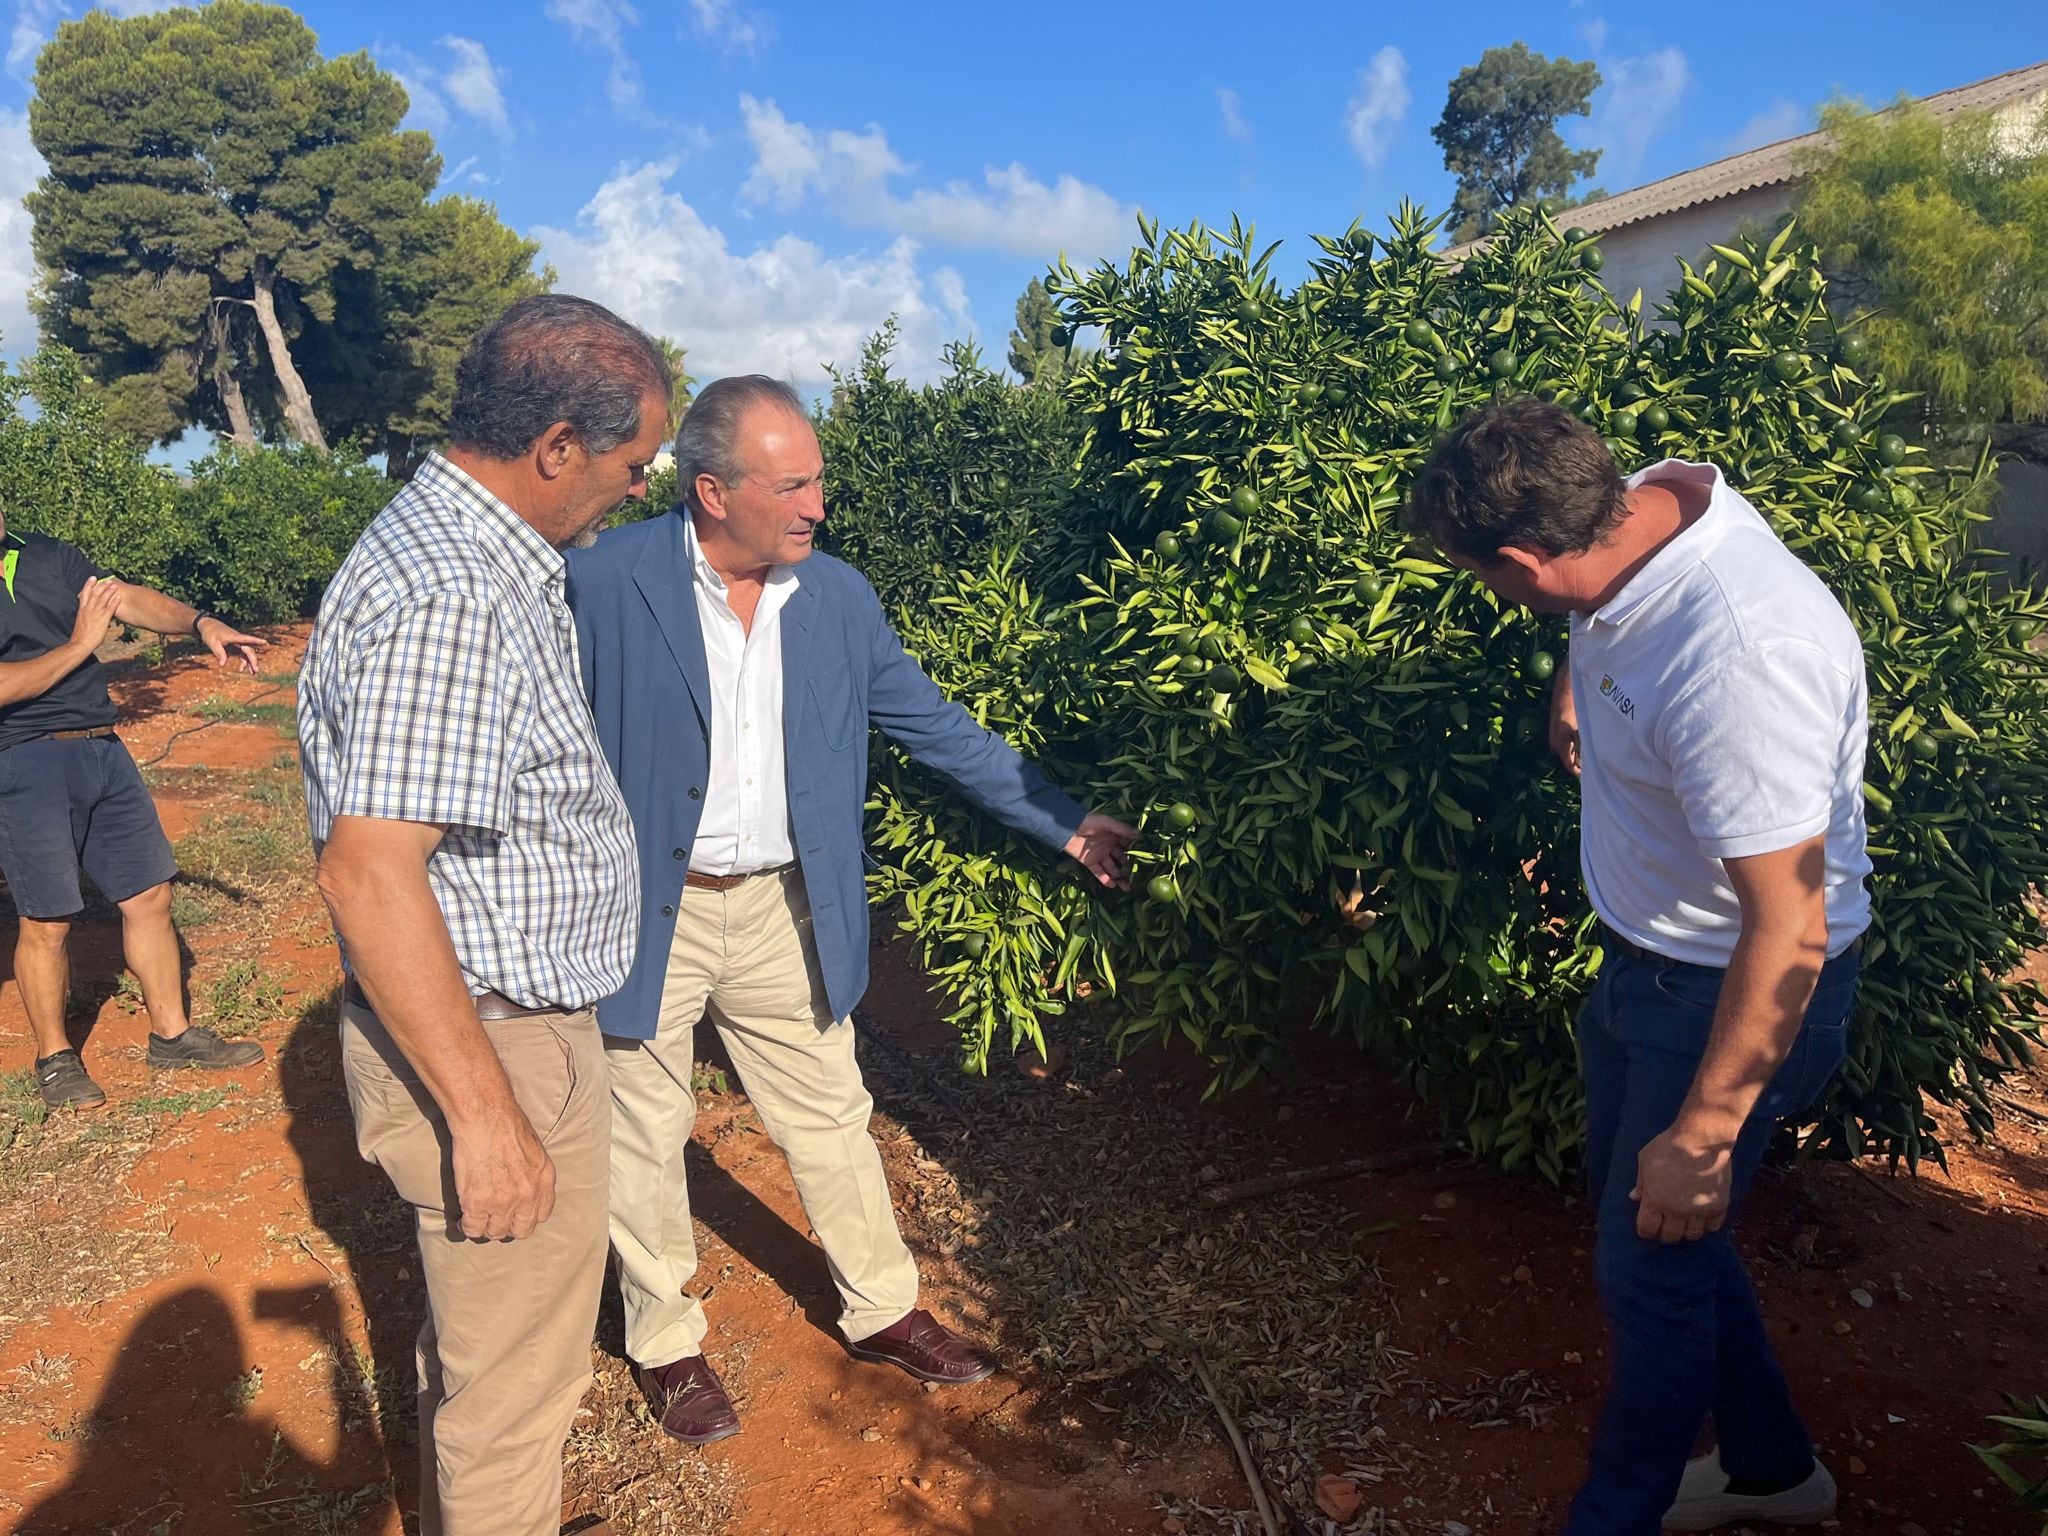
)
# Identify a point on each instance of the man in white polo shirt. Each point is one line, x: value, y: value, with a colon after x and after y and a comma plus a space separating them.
x: 1714, y: 709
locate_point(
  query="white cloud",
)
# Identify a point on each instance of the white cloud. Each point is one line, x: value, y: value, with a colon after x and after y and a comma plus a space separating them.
x: 1378, y: 103
x: 1234, y: 125
x: 1009, y: 210
x: 20, y: 168
x: 472, y: 83
x: 33, y: 22
x: 1637, y: 103
x: 727, y: 24
x: 1780, y: 120
x: 602, y: 24
x: 428, y: 109
x: 951, y: 288
x: 785, y: 308
x: 1595, y: 34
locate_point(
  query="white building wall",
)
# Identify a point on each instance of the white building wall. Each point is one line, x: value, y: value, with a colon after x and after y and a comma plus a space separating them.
x: 1645, y: 255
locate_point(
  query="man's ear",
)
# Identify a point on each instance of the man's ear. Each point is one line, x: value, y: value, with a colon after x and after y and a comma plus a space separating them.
x: 711, y: 496
x: 1528, y: 559
x: 553, y: 450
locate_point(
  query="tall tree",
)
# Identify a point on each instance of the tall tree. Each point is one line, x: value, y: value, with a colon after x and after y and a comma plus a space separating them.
x: 1935, y: 231
x: 213, y: 184
x: 383, y: 368
x: 1032, y: 350
x: 1499, y: 132
x: 685, y: 387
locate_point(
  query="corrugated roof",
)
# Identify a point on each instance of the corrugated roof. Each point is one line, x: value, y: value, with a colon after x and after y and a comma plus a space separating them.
x: 1773, y: 163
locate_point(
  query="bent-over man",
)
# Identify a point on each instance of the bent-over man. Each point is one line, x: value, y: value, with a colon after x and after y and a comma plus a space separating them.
x: 734, y: 673
x: 478, y: 863
x: 1715, y: 711
x: 72, y: 801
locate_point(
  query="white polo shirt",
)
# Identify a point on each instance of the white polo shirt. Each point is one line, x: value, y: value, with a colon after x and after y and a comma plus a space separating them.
x: 745, y: 825
x: 1722, y: 712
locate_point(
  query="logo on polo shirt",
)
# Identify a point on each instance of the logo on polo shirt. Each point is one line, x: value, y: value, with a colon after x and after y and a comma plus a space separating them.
x: 1610, y: 690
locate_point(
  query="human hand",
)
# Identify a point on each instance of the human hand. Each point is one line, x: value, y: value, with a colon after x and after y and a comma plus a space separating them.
x: 1100, y: 845
x: 1682, y: 1185
x: 1564, y: 722
x: 504, y: 1179
x: 219, y: 638
x: 97, y: 601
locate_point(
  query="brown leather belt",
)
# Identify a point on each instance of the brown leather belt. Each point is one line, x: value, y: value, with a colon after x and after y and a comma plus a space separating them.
x: 727, y: 882
x: 97, y: 733
x: 490, y: 1005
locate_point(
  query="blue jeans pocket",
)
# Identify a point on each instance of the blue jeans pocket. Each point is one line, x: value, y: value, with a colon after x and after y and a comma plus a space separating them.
x: 1806, y: 1072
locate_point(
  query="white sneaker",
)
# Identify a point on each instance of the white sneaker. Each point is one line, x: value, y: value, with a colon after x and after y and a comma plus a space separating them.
x: 1704, y: 1501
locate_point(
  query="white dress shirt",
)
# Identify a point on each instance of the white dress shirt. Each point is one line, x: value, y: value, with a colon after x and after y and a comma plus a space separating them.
x: 745, y: 826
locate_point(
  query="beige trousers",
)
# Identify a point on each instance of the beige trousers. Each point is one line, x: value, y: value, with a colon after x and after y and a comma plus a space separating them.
x: 748, y: 954
x: 504, y: 1356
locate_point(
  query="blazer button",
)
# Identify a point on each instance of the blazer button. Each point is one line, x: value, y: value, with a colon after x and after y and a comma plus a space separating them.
x: 680, y: 853
x: 693, y: 792
x: 667, y: 911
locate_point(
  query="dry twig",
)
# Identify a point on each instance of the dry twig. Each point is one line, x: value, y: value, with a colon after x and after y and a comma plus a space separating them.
x: 1323, y: 1173
x: 1237, y: 1444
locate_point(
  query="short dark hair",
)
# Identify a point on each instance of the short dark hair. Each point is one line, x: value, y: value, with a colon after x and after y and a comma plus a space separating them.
x: 708, y: 441
x: 1518, y: 471
x: 550, y: 358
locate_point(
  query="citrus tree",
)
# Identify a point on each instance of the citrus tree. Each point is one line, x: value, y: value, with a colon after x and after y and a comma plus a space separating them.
x: 1335, y: 746
x: 921, y: 481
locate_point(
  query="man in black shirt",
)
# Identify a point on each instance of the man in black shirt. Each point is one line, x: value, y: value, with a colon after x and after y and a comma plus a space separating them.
x: 72, y: 800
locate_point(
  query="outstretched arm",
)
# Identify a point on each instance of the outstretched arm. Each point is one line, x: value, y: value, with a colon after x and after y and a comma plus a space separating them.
x: 146, y: 608
x: 940, y: 734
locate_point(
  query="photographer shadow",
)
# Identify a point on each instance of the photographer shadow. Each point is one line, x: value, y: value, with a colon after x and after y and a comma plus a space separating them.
x: 354, y: 1206
x: 177, y: 1436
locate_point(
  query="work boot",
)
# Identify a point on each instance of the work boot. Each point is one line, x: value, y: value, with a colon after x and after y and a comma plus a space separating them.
x: 63, y: 1083
x: 199, y: 1046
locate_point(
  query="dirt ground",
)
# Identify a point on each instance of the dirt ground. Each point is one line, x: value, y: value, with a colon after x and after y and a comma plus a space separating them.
x: 207, y: 1301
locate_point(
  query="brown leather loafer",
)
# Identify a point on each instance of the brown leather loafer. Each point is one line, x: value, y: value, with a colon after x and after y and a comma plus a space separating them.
x: 690, y: 1400
x: 925, y: 1347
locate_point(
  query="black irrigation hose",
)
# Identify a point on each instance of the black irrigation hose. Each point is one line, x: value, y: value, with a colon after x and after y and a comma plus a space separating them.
x: 193, y: 730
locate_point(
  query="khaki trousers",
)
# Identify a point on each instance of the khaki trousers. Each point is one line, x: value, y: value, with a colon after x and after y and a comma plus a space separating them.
x: 749, y: 955
x: 504, y: 1356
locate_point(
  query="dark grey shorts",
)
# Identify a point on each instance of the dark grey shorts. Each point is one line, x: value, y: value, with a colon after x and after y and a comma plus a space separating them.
x: 72, y: 805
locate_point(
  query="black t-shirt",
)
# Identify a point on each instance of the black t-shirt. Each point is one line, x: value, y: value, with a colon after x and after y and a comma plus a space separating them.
x: 38, y: 607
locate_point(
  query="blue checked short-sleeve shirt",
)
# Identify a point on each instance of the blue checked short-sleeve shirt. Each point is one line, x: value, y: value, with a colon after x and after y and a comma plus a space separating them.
x: 441, y: 685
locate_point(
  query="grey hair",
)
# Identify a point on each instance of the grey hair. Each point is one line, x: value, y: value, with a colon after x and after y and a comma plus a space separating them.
x: 708, y: 442
x: 554, y: 358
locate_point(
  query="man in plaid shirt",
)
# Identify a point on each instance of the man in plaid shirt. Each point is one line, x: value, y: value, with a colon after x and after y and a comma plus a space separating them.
x: 479, y: 865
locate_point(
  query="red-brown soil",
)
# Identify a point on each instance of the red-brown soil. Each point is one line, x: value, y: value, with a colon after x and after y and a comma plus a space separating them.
x: 246, y: 1237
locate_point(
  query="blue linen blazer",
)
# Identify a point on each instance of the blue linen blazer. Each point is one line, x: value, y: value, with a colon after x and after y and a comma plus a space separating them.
x: 641, y: 648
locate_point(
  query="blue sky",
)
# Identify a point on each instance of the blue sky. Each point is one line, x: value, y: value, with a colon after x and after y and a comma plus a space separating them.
x: 765, y: 181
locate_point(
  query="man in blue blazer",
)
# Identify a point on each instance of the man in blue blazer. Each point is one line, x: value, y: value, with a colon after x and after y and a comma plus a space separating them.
x: 733, y: 675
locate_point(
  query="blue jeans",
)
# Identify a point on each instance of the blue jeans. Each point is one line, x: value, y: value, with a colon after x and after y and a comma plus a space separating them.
x: 1686, y: 1334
